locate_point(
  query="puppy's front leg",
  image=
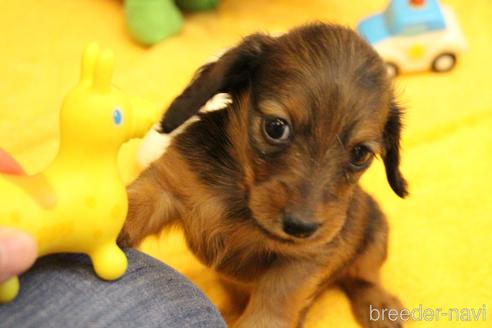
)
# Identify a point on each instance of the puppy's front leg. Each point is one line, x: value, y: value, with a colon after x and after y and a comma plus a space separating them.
x: 151, y: 205
x: 362, y: 284
x: 280, y: 295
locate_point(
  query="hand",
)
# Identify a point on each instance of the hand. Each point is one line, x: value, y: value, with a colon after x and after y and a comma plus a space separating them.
x: 17, y: 252
x: 8, y: 164
x: 17, y: 249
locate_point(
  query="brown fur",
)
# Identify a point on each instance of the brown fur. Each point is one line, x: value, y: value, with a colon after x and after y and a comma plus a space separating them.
x: 230, y: 189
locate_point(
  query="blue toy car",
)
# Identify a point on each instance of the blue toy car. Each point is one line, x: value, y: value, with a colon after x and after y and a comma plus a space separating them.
x: 415, y: 35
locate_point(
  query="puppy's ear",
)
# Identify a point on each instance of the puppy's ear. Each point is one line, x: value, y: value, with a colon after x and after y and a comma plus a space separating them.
x: 230, y: 73
x: 391, y: 153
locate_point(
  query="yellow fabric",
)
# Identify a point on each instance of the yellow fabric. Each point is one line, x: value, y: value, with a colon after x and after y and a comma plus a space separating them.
x: 441, y: 236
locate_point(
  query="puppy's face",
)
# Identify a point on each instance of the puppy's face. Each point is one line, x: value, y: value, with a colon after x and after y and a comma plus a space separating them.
x: 310, y: 111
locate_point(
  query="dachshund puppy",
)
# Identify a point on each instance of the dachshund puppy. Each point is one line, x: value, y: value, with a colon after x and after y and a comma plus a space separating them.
x: 267, y: 190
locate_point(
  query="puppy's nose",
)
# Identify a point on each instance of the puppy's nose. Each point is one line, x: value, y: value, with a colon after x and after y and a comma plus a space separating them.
x: 297, y: 227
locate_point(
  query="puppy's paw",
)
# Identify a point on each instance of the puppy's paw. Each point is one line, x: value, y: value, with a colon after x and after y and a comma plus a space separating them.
x: 373, y: 307
x: 384, y: 313
x: 230, y: 314
x: 124, y: 240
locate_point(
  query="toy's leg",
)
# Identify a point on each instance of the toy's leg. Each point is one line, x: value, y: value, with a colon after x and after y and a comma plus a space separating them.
x: 9, y: 290
x: 151, y: 21
x: 109, y: 261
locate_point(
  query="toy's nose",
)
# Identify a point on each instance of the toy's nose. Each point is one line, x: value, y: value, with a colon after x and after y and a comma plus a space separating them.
x: 145, y: 115
x: 297, y: 227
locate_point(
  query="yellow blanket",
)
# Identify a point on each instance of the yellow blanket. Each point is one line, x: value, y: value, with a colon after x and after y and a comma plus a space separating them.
x: 441, y: 236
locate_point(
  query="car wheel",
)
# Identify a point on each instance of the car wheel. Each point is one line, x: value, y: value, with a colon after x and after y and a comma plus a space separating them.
x: 444, y: 62
x: 391, y: 69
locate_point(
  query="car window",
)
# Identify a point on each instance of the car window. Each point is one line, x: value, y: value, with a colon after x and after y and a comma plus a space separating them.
x: 414, y: 29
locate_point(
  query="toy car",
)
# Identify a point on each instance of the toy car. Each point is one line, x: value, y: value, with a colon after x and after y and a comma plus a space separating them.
x: 415, y: 35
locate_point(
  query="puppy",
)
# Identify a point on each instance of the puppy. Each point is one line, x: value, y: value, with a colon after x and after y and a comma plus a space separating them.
x: 267, y: 190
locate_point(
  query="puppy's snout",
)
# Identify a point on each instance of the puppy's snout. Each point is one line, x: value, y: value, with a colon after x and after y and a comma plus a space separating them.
x: 297, y: 227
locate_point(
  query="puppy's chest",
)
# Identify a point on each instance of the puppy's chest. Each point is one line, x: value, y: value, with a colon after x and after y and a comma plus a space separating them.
x: 231, y: 256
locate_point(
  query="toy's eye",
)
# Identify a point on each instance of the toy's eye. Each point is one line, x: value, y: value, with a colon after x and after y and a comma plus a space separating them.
x: 117, y: 116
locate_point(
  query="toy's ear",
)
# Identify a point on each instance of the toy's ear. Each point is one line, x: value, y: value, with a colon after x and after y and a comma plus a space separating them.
x: 89, y: 63
x: 104, y: 71
x: 391, y: 151
x: 230, y: 74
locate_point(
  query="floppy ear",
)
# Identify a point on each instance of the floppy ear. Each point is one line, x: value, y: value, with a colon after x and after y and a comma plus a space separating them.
x: 391, y: 153
x: 230, y: 73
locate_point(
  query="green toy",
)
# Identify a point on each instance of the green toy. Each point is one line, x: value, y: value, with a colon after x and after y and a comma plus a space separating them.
x: 151, y: 21
x: 196, y: 5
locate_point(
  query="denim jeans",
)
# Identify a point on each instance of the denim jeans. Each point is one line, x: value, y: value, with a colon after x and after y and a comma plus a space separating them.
x: 63, y: 291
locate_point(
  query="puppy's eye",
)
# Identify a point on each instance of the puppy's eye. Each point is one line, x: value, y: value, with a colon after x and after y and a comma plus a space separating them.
x: 360, y: 157
x: 276, y: 130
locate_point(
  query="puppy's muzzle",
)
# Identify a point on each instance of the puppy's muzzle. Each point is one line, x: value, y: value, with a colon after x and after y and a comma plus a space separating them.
x: 296, y: 227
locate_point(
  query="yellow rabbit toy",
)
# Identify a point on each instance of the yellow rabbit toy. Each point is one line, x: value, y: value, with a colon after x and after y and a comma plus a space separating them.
x: 79, y: 202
